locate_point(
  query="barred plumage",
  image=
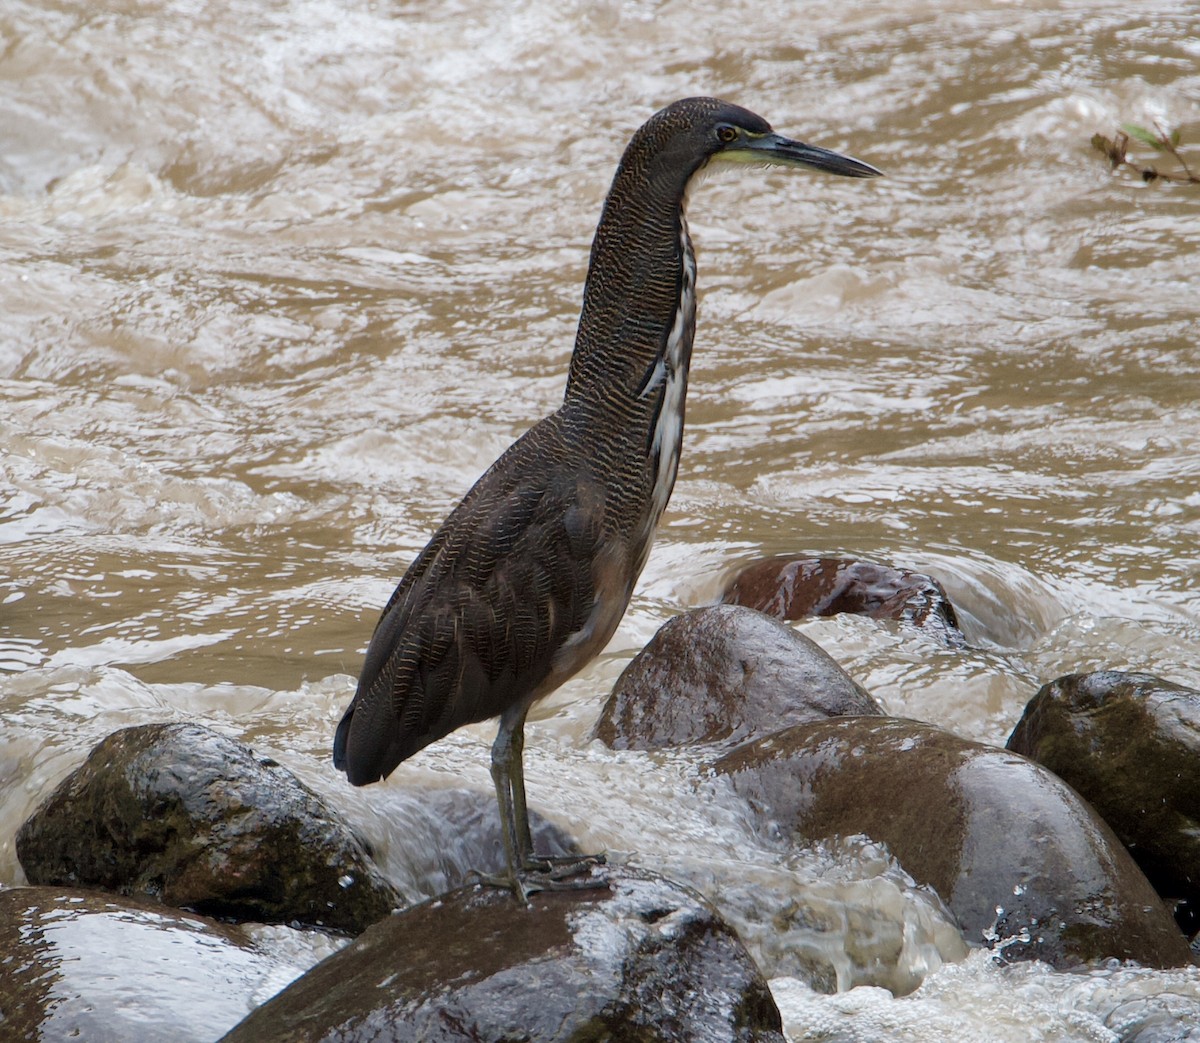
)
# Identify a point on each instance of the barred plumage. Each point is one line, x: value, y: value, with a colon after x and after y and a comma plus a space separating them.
x: 528, y: 577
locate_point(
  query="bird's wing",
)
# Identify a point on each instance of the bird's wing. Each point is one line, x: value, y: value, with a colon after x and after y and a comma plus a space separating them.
x: 474, y: 625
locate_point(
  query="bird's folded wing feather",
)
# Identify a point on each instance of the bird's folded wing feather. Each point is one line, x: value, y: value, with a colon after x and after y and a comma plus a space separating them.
x: 474, y: 624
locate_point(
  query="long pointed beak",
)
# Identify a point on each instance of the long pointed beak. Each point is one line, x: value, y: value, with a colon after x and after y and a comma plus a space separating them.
x: 775, y: 148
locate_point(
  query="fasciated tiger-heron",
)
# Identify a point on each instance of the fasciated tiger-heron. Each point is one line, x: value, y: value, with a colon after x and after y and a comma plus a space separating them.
x: 528, y: 577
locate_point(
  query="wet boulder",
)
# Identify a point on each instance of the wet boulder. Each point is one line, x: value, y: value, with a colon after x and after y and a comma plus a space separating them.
x: 792, y: 588
x: 722, y: 675
x: 88, y: 966
x: 1130, y: 745
x: 452, y: 833
x: 643, y: 958
x: 1024, y: 864
x: 181, y: 814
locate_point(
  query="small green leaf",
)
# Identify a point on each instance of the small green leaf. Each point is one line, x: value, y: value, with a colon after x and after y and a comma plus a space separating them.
x: 1146, y: 137
x: 1176, y: 137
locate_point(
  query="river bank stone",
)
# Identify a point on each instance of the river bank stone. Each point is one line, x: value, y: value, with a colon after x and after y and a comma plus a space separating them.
x: 641, y: 959
x: 1025, y: 865
x: 85, y: 965
x: 722, y: 675
x: 186, y: 816
x: 792, y: 588
x: 1129, y: 743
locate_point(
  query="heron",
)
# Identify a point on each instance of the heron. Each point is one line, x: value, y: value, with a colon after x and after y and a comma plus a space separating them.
x: 528, y: 577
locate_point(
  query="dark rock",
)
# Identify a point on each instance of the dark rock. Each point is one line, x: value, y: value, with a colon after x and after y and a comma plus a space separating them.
x: 1023, y: 863
x: 644, y: 960
x: 84, y: 965
x: 451, y: 833
x: 792, y: 588
x: 724, y: 674
x: 181, y: 814
x: 1130, y: 745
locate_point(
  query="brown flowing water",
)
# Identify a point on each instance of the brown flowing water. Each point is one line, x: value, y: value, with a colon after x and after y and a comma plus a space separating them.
x: 279, y: 279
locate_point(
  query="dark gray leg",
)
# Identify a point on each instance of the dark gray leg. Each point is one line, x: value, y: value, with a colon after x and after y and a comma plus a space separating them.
x: 516, y: 774
x: 507, y: 751
x: 526, y: 872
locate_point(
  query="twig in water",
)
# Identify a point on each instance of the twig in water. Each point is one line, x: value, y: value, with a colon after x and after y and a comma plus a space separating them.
x: 1116, y: 151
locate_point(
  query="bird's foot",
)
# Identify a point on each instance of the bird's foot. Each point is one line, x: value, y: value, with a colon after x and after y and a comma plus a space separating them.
x: 561, y: 865
x: 515, y: 884
x: 566, y: 872
x: 555, y: 873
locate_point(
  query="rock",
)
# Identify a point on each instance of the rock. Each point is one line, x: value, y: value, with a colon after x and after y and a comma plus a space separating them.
x: 1161, y: 1018
x: 178, y: 813
x: 792, y: 588
x: 644, y: 959
x: 1130, y: 745
x: 724, y: 674
x: 83, y: 965
x: 1023, y: 863
x: 451, y: 833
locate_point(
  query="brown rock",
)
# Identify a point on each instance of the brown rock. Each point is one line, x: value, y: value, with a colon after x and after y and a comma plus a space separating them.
x: 1130, y: 745
x: 644, y: 959
x: 1024, y: 864
x: 792, y: 588
x: 181, y: 814
x: 81, y: 965
x: 722, y: 675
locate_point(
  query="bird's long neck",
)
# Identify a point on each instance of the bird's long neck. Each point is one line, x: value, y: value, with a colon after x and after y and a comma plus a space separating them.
x: 638, y: 317
x: 628, y: 378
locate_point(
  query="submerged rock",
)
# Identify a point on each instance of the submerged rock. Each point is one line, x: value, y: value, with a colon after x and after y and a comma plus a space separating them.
x: 1129, y: 744
x: 1161, y: 1018
x: 1023, y: 863
x: 724, y: 674
x: 450, y: 834
x: 83, y: 965
x: 792, y: 588
x: 181, y: 814
x: 642, y: 959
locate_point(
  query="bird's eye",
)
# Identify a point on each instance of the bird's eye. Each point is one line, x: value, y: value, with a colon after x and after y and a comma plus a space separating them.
x: 726, y: 134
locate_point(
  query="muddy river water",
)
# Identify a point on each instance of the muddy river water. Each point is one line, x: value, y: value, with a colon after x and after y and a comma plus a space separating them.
x: 279, y: 279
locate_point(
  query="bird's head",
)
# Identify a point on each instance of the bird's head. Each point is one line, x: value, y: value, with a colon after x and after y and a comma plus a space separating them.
x: 692, y: 133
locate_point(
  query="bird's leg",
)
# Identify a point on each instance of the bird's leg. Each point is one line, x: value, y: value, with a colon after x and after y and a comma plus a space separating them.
x: 527, y: 873
x: 516, y: 775
x: 552, y: 867
x: 502, y: 777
